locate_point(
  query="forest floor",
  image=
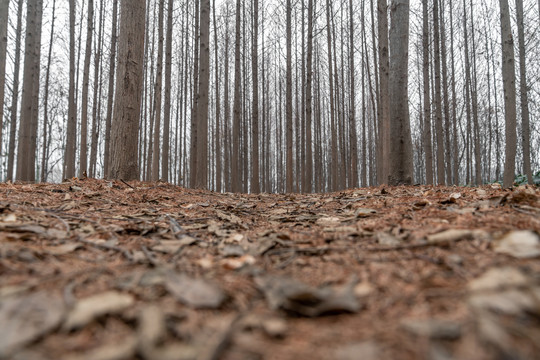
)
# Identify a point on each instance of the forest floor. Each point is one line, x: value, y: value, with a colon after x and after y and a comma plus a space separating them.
x: 93, y: 269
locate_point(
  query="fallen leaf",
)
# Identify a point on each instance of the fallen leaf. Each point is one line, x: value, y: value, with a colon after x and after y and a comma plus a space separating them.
x: 294, y: 296
x: 367, y: 350
x: 196, y: 293
x: 26, y: 318
x: 519, y: 244
x: 118, y: 350
x: 432, y: 328
x: 90, y: 308
x: 449, y: 236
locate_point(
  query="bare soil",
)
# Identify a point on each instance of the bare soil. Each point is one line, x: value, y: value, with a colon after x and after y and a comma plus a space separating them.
x: 94, y: 269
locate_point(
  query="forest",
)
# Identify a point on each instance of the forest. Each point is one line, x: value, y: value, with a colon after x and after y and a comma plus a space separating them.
x: 277, y: 180
x: 291, y: 96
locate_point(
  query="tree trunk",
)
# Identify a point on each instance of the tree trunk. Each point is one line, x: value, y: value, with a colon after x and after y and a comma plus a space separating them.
x: 15, y: 95
x: 255, y: 186
x: 83, y: 154
x: 167, y: 105
x: 202, y: 112
x: 454, y: 102
x: 401, y: 157
x: 525, y: 127
x: 71, y: 131
x: 218, y: 148
x: 446, y: 99
x: 44, y: 160
x: 384, y: 104
x: 110, y: 93
x: 428, y: 152
x: 509, y: 86
x: 26, y: 154
x: 4, y: 10
x: 288, y: 105
x: 195, y: 104
x: 156, y: 151
x: 98, y: 86
x: 438, y: 97
x: 125, y: 126
x: 334, y: 145
x: 235, y: 161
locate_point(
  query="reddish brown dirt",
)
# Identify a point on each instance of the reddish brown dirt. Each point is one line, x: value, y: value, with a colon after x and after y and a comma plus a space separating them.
x: 84, y: 237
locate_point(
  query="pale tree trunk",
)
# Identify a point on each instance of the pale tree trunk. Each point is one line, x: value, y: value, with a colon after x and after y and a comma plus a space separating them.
x: 333, y: 130
x: 474, y: 97
x: 288, y: 105
x: 98, y: 86
x: 15, y: 95
x: 195, y: 104
x: 167, y: 104
x: 202, y: 112
x: 83, y: 154
x: 523, y: 95
x: 236, y: 186
x: 71, y: 131
x: 468, y: 110
x: 401, y: 157
x: 446, y: 99
x: 157, y: 97
x: 438, y: 96
x: 428, y: 152
x: 227, y: 171
x: 218, y: 141
x: 125, y: 125
x: 455, y: 151
x: 4, y: 9
x: 308, y: 182
x: 110, y: 93
x: 44, y: 154
x: 255, y: 186
x: 384, y: 104
x: 353, y: 139
x: 509, y: 86
x: 26, y: 154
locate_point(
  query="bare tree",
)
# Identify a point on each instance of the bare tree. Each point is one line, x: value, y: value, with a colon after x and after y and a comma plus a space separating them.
x: 26, y: 154
x: 401, y: 162
x: 4, y: 9
x: 428, y: 152
x: 202, y: 112
x: 15, y: 93
x: 71, y: 131
x: 525, y: 126
x: 288, y: 100
x: 235, y: 160
x: 255, y: 186
x: 83, y: 155
x: 384, y: 100
x: 509, y: 86
x: 167, y: 100
x: 110, y: 97
x: 125, y: 126
x: 438, y: 96
x: 157, y: 97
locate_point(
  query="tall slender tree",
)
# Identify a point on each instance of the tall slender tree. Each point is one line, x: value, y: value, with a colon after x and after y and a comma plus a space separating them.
x: 156, y: 151
x: 167, y: 101
x: 384, y: 101
x: 83, y: 154
x: 236, y: 185
x: 4, y: 9
x: 71, y: 131
x: 428, y: 152
x: 288, y: 101
x: 509, y: 87
x: 125, y: 126
x: 255, y: 186
x: 523, y: 92
x: 110, y: 95
x: 26, y: 154
x: 401, y: 158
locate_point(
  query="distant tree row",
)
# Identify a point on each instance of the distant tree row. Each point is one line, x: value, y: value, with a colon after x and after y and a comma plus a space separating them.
x: 270, y: 96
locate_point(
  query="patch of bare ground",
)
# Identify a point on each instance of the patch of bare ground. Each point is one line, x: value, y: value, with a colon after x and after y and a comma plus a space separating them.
x: 94, y: 269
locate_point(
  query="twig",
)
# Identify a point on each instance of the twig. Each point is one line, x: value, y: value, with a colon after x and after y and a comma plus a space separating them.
x: 125, y: 183
x: 124, y: 252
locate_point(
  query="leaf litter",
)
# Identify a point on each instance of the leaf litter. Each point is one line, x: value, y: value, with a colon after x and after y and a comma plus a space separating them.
x: 95, y: 269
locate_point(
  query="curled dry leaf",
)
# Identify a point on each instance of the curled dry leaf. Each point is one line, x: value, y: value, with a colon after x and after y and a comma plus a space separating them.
x: 520, y: 244
x: 24, y: 319
x: 196, y: 293
x: 90, y: 308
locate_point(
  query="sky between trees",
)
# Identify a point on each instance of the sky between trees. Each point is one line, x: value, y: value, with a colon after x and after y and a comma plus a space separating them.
x: 478, y: 114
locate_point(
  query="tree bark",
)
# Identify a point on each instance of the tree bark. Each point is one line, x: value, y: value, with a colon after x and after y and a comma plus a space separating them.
x: 525, y: 126
x: 288, y: 102
x: 15, y: 95
x: 4, y: 10
x: 202, y: 112
x: 110, y: 92
x: 83, y: 151
x: 509, y: 87
x: 255, y: 186
x: 235, y: 161
x: 428, y: 152
x: 26, y: 154
x: 384, y: 104
x: 218, y: 147
x: 44, y: 155
x: 401, y: 159
x: 125, y: 126
x: 71, y: 131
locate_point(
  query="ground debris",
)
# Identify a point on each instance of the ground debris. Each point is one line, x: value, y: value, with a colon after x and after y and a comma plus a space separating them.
x: 94, y: 269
